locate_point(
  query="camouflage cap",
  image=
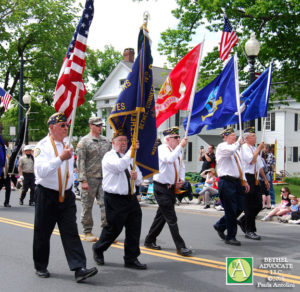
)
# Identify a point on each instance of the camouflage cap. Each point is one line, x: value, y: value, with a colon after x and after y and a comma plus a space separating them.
x: 171, y: 131
x: 227, y: 131
x: 95, y: 121
x: 57, y: 118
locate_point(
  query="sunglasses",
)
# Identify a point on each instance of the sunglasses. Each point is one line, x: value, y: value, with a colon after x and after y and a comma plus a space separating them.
x: 283, y: 191
x: 97, y: 125
x: 175, y: 137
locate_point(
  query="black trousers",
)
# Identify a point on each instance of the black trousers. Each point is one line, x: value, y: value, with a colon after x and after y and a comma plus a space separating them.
x: 166, y: 199
x: 28, y: 183
x: 121, y: 211
x: 48, y: 212
x: 253, y: 205
x: 5, y: 182
x: 232, y: 196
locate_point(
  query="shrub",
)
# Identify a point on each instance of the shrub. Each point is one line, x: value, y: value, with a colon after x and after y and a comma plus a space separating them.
x: 293, y: 180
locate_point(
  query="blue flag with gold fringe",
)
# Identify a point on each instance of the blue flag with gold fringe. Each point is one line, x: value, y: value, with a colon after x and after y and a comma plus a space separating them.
x: 134, y: 110
x: 215, y: 103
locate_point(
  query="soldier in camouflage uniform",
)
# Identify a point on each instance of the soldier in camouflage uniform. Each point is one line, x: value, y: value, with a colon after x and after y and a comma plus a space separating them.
x: 90, y: 151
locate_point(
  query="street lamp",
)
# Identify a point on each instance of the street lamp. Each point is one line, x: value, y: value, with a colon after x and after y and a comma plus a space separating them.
x: 252, y: 47
x: 26, y: 101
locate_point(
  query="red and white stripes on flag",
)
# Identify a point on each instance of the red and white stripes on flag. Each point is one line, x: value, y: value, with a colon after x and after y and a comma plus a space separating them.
x: 228, y: 41
x: 5, y: 98
x: 70, y: 75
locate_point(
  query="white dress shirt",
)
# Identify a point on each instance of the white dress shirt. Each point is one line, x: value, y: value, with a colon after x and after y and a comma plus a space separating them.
x: 247, y: 156
x: 46, y: 165
x: 226, y: 163
x: 167, y: 157
x: 114, y: 176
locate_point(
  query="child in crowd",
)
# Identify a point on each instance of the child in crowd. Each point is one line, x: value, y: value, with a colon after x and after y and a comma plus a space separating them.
x: 294, y: 208
x: 284, y: 206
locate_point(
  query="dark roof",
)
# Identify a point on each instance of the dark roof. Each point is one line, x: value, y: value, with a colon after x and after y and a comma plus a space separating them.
x: 159, y: 75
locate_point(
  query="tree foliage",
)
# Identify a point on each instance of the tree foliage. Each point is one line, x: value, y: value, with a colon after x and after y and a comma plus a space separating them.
x: 275, y: 22
x: 40, y: 32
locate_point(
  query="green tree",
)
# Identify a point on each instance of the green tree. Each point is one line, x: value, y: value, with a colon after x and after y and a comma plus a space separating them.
x: 38, y: 31
x: 275, y: 22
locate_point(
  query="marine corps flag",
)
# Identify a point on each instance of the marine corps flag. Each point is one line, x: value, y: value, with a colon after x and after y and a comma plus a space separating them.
x: 134, y: 110
x: 176, y: 90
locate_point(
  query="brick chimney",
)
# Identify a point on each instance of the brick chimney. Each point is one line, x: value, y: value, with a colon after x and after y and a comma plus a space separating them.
x: 128, y: 55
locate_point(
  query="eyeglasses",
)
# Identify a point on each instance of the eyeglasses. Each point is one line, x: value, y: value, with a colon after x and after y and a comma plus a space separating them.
x: 175, y: 137
x: 283, y: 191
x: 64, y: 125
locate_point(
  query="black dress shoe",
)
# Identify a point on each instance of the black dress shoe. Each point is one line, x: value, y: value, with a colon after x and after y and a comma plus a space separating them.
x: 252, y: 235
x: 152, y: 245
x: 241, y: 225
x: 220, y: 233
x: 184, y: 251
x: 135, y: 265
x: 82, y: 273
x: 31, y: 204
x: 233, y: 242
x: 98, y: 257
x: 43, y: 273
x: 7, y: 205
x: 206, y: 207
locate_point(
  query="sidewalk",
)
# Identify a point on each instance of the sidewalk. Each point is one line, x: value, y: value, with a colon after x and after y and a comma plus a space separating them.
x: 192, y: 206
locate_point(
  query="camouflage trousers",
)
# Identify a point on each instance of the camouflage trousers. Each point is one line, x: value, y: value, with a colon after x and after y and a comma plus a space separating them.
x: 88, y: 197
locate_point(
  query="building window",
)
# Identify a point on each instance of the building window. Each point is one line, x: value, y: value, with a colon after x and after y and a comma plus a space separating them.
x: 296, y: 123
x: 259, y: 124
x: 270, y: 122
x: 295, y: 154
x: 289, y: 153
x: 122, y: 81
x: 106, y: 101
x: 190, y: 151
x: 177, y: 119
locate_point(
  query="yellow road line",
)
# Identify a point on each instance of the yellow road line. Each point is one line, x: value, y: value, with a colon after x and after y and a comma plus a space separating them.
x: 170, y: 255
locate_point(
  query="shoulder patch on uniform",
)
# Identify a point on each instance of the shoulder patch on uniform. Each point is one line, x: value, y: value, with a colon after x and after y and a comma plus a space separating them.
x: 37, y: 152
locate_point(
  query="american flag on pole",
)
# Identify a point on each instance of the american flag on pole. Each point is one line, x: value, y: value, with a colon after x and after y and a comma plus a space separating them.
x: 5, y: 98
x: 71, y: 72
x: 228, y: 41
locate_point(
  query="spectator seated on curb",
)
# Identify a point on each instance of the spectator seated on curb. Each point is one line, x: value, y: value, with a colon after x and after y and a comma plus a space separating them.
x: 284, y: 206
x: 185, y: 191
x: 294, y: 211
x: 210, y: 187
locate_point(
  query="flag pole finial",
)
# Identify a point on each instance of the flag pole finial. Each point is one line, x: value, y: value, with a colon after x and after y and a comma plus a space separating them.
x: 146, y: 17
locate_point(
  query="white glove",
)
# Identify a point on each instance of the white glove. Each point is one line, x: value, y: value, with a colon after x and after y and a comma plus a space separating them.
x: 21, y: 177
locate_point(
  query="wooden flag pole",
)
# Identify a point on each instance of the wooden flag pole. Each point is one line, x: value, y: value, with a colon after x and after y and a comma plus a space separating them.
x: 78, y: 85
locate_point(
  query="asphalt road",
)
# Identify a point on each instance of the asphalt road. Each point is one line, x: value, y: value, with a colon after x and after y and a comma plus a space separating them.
x: 204, y: 271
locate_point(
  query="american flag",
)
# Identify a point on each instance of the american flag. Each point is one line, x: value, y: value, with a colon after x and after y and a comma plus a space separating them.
x: 228, y: 41
x: 71, y: 72
x: 5, y: 98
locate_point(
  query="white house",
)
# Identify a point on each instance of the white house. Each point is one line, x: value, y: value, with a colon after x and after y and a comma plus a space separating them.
x: 282, y: 126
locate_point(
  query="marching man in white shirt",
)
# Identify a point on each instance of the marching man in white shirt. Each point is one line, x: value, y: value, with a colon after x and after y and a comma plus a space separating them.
x: 165, y: 184
x: 253, y: 167
x: 232, y: 185
x: 122, y: 208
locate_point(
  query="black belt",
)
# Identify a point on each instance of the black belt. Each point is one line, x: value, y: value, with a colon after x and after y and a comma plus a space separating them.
x: 169, y: 186
x: 230, y: 178
x: 119, y: 195
x: 51, y: 190
x: 250, y: 174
